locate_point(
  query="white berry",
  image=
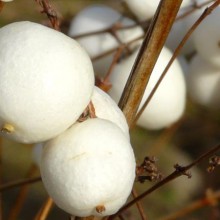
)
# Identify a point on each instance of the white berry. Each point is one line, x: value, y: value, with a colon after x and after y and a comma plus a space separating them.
x: 203, y: 82
x: 106, y: 108
x: 46, y: 81
x: 89, y: 169
x: 168, y: 103
x: 207, y: 38
x: 145, y: 9
x: 97, y: 18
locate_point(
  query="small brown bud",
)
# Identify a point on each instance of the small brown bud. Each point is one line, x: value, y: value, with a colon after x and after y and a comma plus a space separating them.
x: 100, y: 208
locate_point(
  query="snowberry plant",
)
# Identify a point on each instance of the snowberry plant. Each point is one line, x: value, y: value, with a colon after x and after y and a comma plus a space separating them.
x: 46, y: 84
x: 48, y: 97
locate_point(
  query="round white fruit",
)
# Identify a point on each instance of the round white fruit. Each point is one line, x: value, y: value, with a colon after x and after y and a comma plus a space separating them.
x: 89, y: 169
x: 145, y: 9
x: 207, y: 38
x: 106, y: 108
x: 97, y: 18
x: 203, y: 82
x: 168, y: 103
x: 178, y: 31
x: 46, y: 81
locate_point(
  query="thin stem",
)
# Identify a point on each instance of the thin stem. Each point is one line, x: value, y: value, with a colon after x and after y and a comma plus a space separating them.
x: 114, y: 62
x: 179, y: 171
x: 147, y: 57
x: 104, y: 83
x: 18, y: 183
x: 14, y: 212
x: 115, y: 49
x: 50, y: 12
x: 111, y: 29
x: 194, y: 8
x: 206, y: 12
x: 139, y: 206
x: 45, y: 210
x: 143, y: 23
x: 198, y: 204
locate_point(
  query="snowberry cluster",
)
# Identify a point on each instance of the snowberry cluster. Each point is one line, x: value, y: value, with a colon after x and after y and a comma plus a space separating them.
x: 97, y: 18
x: 203, y: 70
x: 168, y: 104
x: 46, y: 83
x: 204, y: 78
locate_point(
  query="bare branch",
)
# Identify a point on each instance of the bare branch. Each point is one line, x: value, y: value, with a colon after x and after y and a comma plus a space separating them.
x: 50, y: 12
x: 139, y: 206
x: 22, y: 195
x: 207, y: 200
x: 45, y: 210
x: 179, y: 171
x: 17, y: 183
x: 206, y: 12
x: 147, y: 57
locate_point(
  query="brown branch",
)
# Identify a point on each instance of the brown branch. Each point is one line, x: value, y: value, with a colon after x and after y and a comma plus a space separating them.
x: 193, y: 9
x: 206, y: 12
x: 15, y: 210
x: 115, y: 49
x: 139, y: 206
x: 144, y: 24
x: 45, y: 210
x: 147, y: 57
x: 179, y: 171
x: 112, y: 29
x: 50, y: 12
x: 207, y: 200
x: 18, y: 183
x: 104, y: 83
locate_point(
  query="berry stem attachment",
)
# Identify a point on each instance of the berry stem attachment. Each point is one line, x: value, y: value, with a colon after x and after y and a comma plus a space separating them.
x: 7, y: 128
